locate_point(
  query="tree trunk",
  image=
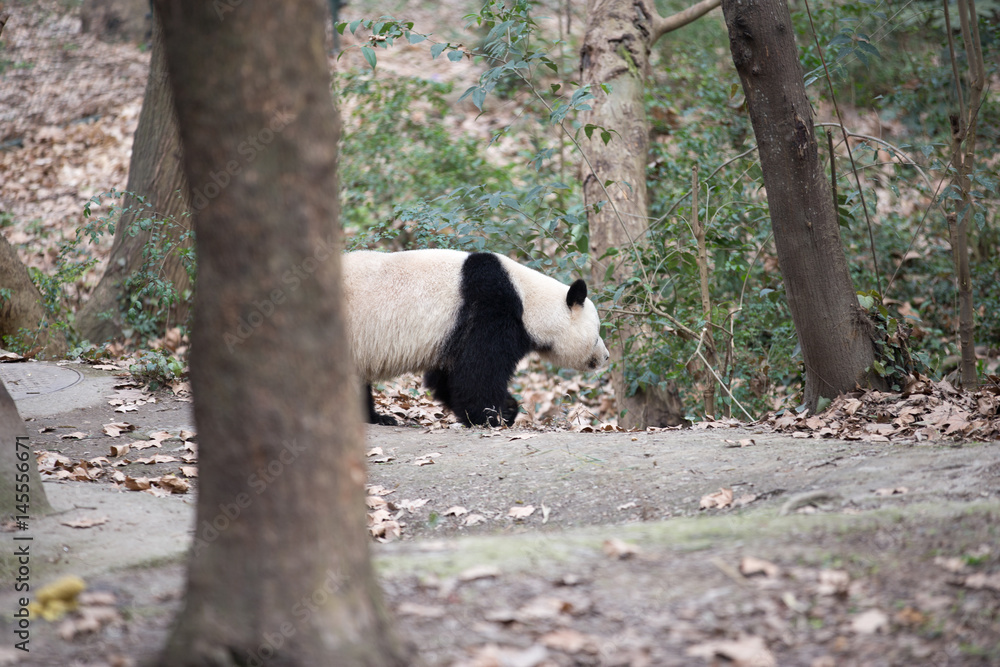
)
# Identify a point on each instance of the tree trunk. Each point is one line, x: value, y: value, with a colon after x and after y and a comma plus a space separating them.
x: 834, y: 333
x: 20, y: 484
x: 154, y: 174
x: 23, y: 310
x: 280, y: 573
x: 615, y: 52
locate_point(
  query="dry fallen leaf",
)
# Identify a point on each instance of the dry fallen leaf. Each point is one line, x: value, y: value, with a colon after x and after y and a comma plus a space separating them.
x: 376, y: 502
x: 750, y: 566
x: 120, y: 450
x: 616, y: 548
x: 747, y: 651
x: 895, y: 491
x: 521, y: 512
x: 77, y: 435
x: 173, y: 484
x: 952, y: 564
x: 189, y: 471
x: 411, y: 505
x: 115, y: 429
x: 981, y: 580
x: 426, y: 459
x: 474, y: 520
x: 137, y: 483
x: 568, y: 640
x: 833, y: 582
x: 479, y: 572
x: 869, y: 622
x: 721, y: 499
x: 86, y: 523
x: 455, y: 510
x: 156, y: 458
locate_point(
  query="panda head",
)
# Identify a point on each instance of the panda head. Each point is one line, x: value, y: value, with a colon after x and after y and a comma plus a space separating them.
x: 567, y: 329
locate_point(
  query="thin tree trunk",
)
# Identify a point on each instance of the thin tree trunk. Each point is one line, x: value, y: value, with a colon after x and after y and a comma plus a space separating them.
x: 23, y: 312
x: 711, y: 358
x: 155, y: 174
x: 280, y: 573
x: 834, y: 333
x: 963, y: 132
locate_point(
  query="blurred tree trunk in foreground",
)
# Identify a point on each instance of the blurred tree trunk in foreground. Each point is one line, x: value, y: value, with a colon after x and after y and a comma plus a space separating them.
x: 280, y: 573
x: 21, y: 489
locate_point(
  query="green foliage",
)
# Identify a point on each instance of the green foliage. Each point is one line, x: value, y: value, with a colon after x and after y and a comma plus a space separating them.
x: 157, y: 367
x: 399, y: 148
x: 894, y: 360
x: 149, y: 296
x: 516, y: 209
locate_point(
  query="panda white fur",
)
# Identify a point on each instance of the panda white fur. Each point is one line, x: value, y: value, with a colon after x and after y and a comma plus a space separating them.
x: 465, y: 321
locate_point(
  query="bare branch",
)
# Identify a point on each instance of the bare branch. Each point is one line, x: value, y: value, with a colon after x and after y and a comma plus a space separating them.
x: 663, y: 25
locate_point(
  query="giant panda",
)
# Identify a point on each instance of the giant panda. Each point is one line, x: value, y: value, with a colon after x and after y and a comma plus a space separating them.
x: 465, y: 320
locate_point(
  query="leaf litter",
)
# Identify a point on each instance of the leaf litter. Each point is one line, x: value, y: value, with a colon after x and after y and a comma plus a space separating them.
x: 924, y: 411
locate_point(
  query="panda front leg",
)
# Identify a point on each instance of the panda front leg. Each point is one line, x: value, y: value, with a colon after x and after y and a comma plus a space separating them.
x: 476, y: 390
x: 373, y: 416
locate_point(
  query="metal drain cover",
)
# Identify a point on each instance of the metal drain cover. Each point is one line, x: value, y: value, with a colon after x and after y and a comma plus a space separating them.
x: 24, y: 380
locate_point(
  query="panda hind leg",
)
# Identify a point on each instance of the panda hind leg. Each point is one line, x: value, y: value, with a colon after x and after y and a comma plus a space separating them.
x: 373, y: 416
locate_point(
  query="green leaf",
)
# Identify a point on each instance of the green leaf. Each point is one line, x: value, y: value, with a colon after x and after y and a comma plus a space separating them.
x: 369, y: 54
x: 605, y: 137
x: 354, y: 25
x: 415, y: 37
x: 478, y: 97
x: 437, y: 49
x: 341, y: 26
x: 455, y: 56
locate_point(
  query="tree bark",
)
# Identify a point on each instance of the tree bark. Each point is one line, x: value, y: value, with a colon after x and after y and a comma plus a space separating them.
x: 21, y: 487
x: 24, y: 310
x: 963, y: 132
x: 280, y: 573
x: 834, y: 332
x: 156, y: 176
x: 615, y: 52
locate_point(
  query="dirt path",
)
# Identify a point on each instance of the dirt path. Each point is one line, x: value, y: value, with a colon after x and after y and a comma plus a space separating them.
x: 875, y: 554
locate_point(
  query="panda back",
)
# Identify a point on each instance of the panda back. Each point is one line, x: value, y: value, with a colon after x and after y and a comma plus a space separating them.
x: 401, y: 307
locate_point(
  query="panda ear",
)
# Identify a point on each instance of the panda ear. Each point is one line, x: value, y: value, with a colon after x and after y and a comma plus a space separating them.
x: 577, y: 293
